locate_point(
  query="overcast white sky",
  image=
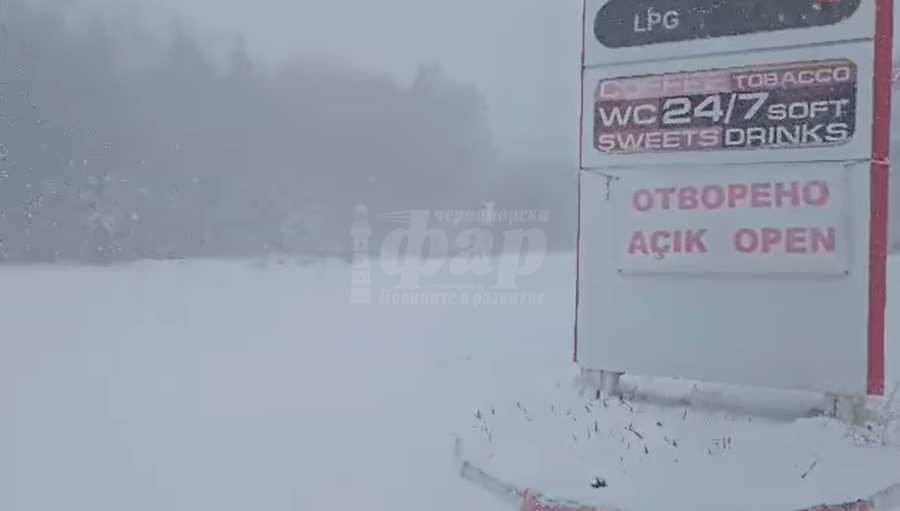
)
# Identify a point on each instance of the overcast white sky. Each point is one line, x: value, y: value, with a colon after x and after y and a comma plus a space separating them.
x: 523, y: 54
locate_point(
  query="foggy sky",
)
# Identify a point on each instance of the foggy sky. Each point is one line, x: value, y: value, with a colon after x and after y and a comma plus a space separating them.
x: 523, y: 54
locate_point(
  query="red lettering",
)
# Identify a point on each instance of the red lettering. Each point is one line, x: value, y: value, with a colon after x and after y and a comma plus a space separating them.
x: 760, y: 195
x: 657, y: 239
x: 770, y: 237
x: 638, y: 243
x: 693, y: 241
x: 688, y: 241
x: 795, y: 240
x: 791, y: 240
x: 736, y: 193
x: 816, y: 193
x: 792, y: 193
x: 642, y: 200
x: 822, y: 239
x: 687, y: 198
x: 666, y: 196
x: 713, y: 197
x: 746, y: 241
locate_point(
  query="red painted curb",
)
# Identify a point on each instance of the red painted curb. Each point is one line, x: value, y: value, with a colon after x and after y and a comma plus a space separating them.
x: 536, y: 502
x: 887, y: 499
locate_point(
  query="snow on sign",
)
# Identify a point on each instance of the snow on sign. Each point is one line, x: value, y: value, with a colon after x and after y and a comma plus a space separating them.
x: 796, y: 105
x: 779, y: 221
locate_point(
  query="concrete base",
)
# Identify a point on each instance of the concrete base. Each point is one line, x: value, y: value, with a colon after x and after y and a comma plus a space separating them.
x: 847, y: 408
x: 601, y: 383
x: 773, y: 404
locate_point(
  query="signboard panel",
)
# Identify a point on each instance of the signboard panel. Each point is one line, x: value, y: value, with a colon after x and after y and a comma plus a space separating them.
x: 803, y: 104
x: 779, y: 220
x: 631, y: 23
x: 619, y: 31
x: 760, y: 318
x: 769, y: 106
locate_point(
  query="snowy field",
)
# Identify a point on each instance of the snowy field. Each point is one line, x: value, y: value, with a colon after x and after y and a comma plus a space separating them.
x: 220, y: 386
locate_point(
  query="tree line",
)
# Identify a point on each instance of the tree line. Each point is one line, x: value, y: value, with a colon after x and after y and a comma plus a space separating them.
x: 108, y: 157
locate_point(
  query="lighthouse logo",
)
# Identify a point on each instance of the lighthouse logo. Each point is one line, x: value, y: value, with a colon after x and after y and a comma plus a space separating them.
x: 360, y: 272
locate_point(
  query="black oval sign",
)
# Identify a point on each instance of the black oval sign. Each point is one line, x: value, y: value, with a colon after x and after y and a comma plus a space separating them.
x: 628, y: 23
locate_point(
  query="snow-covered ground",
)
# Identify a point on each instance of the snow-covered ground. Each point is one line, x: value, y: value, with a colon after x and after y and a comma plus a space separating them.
x: 227, y: 386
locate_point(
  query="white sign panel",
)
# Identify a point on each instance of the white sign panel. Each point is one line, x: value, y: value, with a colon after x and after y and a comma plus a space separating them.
x: 791, y: 105
x: 752, y: 275
x: 617, y: 31
x: 780, y: 220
